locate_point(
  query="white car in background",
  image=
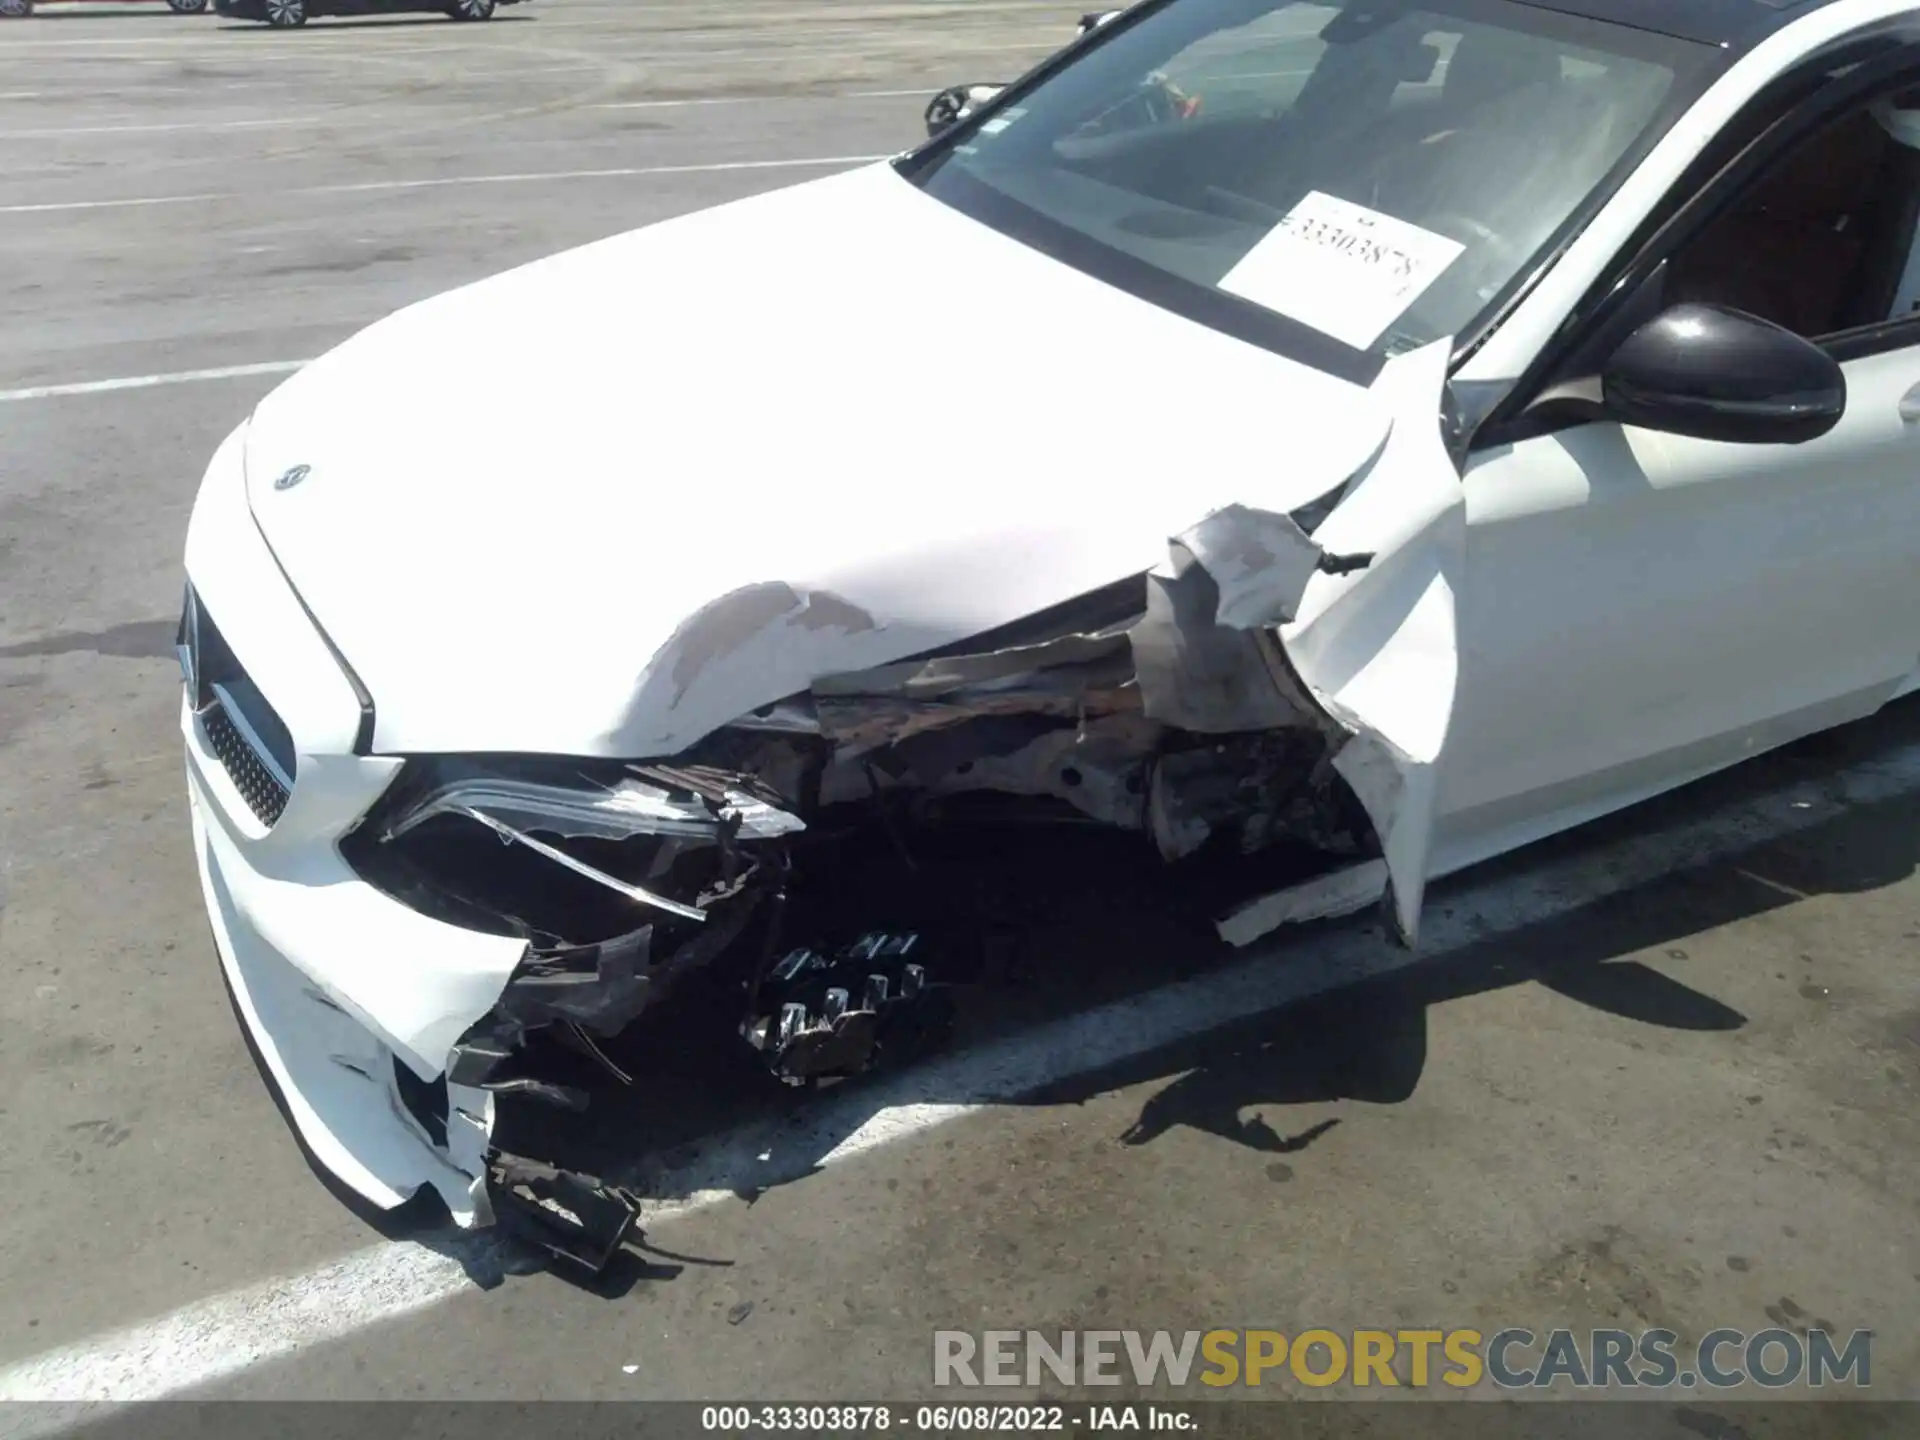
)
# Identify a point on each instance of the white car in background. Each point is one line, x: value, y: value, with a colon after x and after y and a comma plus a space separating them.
x: 1469, y: 419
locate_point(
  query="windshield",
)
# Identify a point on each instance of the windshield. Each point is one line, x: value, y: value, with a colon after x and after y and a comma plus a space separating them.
x: 1377, y: 172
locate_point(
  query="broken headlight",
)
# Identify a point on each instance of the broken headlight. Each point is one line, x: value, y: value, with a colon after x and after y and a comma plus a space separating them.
x: 566, y: 850
x: 643, y: 800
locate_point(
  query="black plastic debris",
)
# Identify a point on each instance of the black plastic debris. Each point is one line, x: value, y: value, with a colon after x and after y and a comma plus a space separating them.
x: 602, y: 986
x: 835, y: 1014
x: 490, y: 1058
x: 571, y: 1216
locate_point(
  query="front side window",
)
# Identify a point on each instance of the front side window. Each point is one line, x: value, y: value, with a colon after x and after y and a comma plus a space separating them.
x: 1373, y: 171
x: 1824, y: 240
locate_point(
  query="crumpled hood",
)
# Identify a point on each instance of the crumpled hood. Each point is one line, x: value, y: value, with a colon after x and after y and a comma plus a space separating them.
x: 606, y: 502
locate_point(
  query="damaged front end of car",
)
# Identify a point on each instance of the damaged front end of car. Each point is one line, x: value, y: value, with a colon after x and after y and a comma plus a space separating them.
x: 819, y: 860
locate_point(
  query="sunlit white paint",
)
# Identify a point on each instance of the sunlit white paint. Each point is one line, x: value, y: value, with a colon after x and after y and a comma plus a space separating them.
x: 1687, y: 604
x: 1380, y: 647
x: 642, y: 400
x: 286, y: 892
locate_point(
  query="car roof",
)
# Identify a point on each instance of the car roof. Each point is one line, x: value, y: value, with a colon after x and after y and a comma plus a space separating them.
x: 1733, y: 23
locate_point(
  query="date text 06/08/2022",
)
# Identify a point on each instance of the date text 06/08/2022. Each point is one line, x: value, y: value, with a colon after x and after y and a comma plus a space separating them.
x: 739, y: 1419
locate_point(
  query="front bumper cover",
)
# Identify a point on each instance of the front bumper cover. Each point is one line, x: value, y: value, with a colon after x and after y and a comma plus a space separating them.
x: 335, y: 1074
x: 354, y: 1001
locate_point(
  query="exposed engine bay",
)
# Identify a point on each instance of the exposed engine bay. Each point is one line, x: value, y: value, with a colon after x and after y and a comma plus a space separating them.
x: 820, y: 861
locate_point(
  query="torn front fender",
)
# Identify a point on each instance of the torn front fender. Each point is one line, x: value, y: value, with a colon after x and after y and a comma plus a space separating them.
x: 1254, y: 625
x: 1378, y: 646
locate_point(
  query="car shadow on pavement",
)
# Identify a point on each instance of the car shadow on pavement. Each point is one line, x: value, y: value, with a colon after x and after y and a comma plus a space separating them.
x: 1368, y: 1042
x: 708, y: 1118
x: 1364, y: 1043
x: 1316, y: 1054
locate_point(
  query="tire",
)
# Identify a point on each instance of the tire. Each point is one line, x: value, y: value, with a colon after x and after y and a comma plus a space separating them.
x: 470, y: 10
x: 16, y: 9
x: 187, y: 7
x: 286, y: 14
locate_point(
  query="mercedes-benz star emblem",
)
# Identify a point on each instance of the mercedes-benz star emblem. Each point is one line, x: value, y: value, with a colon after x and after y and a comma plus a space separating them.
x: 293, y: 477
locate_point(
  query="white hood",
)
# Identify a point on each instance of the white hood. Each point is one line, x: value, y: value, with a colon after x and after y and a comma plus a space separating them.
x: 606, y: 502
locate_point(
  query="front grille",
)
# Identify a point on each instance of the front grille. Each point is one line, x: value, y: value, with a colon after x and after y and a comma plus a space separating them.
x: 258, y: 785
x: 244, y: 732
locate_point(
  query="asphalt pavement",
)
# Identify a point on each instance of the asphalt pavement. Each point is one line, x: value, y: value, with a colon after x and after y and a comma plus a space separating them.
x: 1661, y: 1072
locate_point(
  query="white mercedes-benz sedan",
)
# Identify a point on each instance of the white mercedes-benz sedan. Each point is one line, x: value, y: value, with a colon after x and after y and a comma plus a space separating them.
x: 1443, y: 424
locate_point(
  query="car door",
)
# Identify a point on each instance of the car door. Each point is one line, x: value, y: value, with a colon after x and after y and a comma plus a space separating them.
x: 1638, y: 609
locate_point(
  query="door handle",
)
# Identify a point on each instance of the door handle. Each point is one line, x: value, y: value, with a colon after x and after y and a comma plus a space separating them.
x: 1910, y: 405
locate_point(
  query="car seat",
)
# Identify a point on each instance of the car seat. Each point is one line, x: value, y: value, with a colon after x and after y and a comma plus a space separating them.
x: 1791, y: 250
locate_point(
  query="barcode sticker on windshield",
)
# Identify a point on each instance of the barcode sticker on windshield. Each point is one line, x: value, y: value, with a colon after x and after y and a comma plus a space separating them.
x: 1347, y: 271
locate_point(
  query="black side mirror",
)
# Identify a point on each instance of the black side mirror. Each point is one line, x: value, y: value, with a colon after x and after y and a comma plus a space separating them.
x: 945, y: 109
x: 1718, y: 374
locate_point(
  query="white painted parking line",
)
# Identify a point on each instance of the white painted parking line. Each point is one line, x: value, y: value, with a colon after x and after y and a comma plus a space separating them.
x: 132, y: 203
x: 155, y: 129
x: 693, y: 101
x: 332, y: 40
x: 518, y: 71
x: 368, y: 187
x: 266, y: 44
x: 231, y: 1333
x: 619, y: 173
x: 142, y: 382
x: 223, y: 1336
x: 116, y: 42
x: 263, y: 43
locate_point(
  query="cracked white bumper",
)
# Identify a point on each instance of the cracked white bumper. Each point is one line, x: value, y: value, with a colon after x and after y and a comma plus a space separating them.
x: 336, y: 981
